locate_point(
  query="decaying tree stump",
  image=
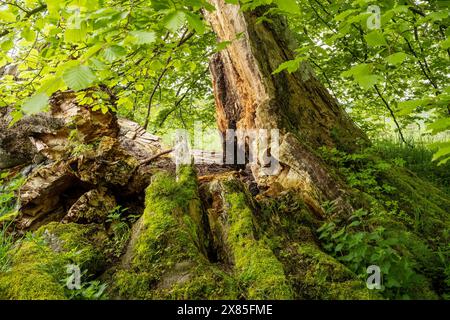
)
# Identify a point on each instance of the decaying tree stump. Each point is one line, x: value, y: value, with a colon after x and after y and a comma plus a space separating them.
x: 86, y: 158
x: 249, y: 96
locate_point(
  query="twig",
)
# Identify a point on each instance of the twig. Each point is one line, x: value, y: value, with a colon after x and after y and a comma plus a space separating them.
x: 147, y: 161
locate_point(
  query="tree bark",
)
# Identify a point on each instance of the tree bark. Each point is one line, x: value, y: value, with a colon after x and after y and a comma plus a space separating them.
x: 250, y: 96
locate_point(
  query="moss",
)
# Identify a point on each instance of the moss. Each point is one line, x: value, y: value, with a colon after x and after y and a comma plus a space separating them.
x: 39, y: 263
x: 258, y: 270
x: 290, y: 228
x: 168, y: 256
x: 8, y: 217
x: 426, y: 205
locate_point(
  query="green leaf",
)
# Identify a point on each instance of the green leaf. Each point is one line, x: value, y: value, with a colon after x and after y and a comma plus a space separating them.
x: 444, y: 161
x: 35, y: 104
x: 291, y: 65
x: 51, y: 84
x: 375, y: 39
x: 195, y: 22
x: 446, y: 43
x: 222, y: 45
x: 7, y: 16
x: 28, y: 35
x: 368, y: 81
x: 174, y: 20
x: 75, y: 35
x: 359, y: 69
x: 344, y: 14
x: 440, y: 125
x: 290, y: 6
x: 114, y: 53
x: 143, y: 37
x: 79, y: 77
x: 406, y: 107
x: 396, y: 58
x: 443, y: 151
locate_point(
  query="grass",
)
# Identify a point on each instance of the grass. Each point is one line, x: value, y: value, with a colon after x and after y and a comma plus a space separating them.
x: 6, y: 243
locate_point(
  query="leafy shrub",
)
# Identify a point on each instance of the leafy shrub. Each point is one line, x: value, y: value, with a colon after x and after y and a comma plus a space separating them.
x: 362, y: 243
x: 8, y: 188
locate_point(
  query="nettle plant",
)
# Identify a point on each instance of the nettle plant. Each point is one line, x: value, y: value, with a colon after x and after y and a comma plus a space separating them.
x: 361, y: 243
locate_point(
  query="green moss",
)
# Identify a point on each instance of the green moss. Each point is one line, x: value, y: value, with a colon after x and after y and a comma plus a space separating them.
x: 290, y: 228
x: 39, y: 263
x: 427, y: 206
x: 258, y: 270
x: 322, y: 277
x: 8, y: 217
x: 168, y: 256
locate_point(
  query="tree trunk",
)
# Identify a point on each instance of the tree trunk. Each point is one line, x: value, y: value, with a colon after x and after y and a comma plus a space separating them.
x: 249, y: 96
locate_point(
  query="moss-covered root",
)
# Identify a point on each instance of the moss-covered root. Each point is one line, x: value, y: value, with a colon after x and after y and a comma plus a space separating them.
x: 258, y: 271
x: 320, y: 276
x: 39, y: 263
x: 166, y: 258
x: 289, y: 227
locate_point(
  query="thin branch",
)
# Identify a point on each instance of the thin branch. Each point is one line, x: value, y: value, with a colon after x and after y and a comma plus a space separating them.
x: 392, y: 114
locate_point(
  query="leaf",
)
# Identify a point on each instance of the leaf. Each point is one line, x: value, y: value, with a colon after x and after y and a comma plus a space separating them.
x: 7, y: 16
x: 440, y: 125
x: 114, y: 53
x: 359, y: 69
x: 442, y: 162
x: 406, y: 107
x: 75, y: 35
x: 397, y: 58
x: 195, y: 22
x: 375, y: 39
x: 343, y: 15
x: 222, y: 45
x: 143, y: 37
x: 443, y: 151
x: 174, y: 20
x: 290, y: 6
x: 79, y: 77
x: 35, y: 104
x: 446, y: 43
x: 28, y: 35
x: 368, y: 81
x: 290, y: 66
x: 51, y: 84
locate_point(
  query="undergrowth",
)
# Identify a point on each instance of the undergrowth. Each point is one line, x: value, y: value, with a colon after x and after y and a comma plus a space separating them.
x: 402, y: 222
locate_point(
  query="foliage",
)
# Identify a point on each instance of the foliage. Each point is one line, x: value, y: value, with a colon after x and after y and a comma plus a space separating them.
x: 120, y: 226
x: 6, y: 244
x: 389, y: 76
x: 91, y: 290
x: 148, y: 61
x: 398, y: 226
x: 360, y: 244
x: 8, y: 188
x: 417, y: 158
